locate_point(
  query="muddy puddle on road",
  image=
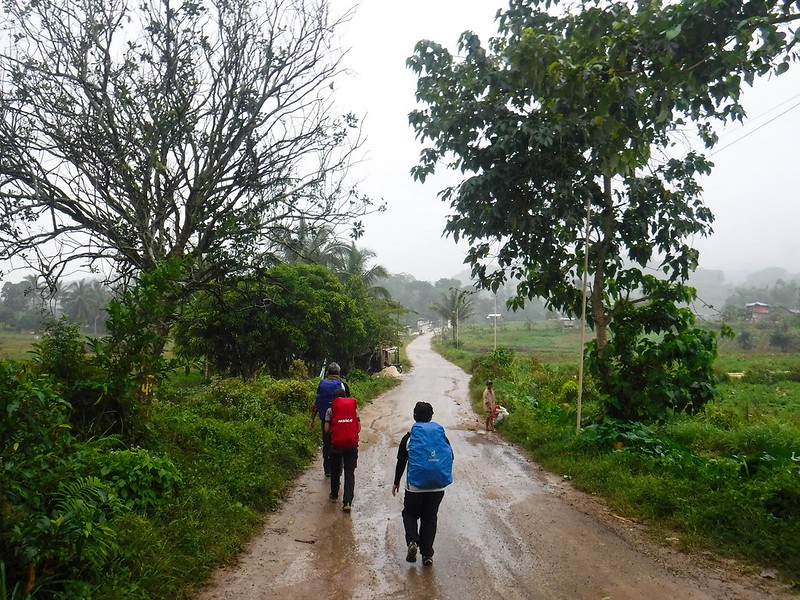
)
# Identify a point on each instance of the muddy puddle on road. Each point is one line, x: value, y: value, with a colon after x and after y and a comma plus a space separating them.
x: 507, y: 529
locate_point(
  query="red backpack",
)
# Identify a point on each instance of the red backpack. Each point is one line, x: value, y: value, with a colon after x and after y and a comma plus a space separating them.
x: 344, y: 423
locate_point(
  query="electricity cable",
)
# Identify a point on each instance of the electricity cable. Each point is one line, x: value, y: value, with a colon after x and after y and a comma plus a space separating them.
x: 718, y: 150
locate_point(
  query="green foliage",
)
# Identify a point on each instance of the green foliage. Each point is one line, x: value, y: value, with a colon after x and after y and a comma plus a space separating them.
x: 292, y: 312
x: 745, y: 340
x: 784, y: 339
x: 142, y: 482
x: 139, y: 324
x: 298, y: 370
x: 534, y: 165
x: 82, y: 522
x: 492, y: 364
x: 256, y: 400
x: 721, y: 479
x: 55, y: 518
x: 657, y: 360
x: 770, y: 375
x: 454, y: 307
x: 726, y: 478
x: 109, y: 521
x: 558, y: 121
x: 61, y: 354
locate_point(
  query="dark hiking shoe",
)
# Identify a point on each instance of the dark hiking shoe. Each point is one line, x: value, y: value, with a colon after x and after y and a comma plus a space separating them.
x: 427, y: 561
x: 412, y: 552
x: 347, y: 507
x: 333, y: 497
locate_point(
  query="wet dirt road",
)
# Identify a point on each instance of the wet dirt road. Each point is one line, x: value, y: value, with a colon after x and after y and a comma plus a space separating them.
x: 507, y: 529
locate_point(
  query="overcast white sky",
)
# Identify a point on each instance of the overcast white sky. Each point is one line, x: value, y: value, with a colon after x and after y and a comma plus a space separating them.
x: 752, y: 190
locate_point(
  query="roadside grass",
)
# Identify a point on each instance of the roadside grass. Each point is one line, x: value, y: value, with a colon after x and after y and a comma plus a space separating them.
x: 725, y: 480
x: 214, y: 460
x: 239, y: 446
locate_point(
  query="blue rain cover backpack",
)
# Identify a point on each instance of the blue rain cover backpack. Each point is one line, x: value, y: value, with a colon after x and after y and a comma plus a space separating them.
x: 430, y: 457
x: 325, y: 391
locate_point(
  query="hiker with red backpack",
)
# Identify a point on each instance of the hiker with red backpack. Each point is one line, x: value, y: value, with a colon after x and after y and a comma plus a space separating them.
x: 427, y: 453
x: 330, y: 385
x: 343, y: 426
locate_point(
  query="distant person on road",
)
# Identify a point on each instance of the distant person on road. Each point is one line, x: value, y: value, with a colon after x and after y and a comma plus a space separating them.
x: 343, y: 425
x: 490, y: 404
x: 326, y: 389
x: 427, y: 453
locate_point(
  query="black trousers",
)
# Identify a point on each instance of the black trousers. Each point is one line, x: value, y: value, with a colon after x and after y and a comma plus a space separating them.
x: 346, y: 460
x: 326, y: 450
x: 422, y: 507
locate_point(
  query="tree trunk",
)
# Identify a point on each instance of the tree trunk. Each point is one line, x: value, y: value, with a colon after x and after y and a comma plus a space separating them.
x: 599, y: 312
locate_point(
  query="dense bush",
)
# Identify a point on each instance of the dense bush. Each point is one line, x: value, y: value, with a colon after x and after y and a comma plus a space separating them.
x: 59, y: 519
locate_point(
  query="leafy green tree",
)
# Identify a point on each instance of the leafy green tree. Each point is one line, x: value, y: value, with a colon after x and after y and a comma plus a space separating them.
x: 291, y: 312
x: 570, y: 114
x: 13, y: 295
x: 745, y: 340
x: 131, y: 356
x: 416, y: 296
x: 24, y: 307
x: 454, y: 307
x: 783, y: 338
x: 657, y: 361
x: 149, y: 131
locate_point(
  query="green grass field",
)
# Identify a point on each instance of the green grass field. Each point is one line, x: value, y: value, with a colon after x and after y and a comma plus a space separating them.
x: 549, y: 341
x: 16, y: 345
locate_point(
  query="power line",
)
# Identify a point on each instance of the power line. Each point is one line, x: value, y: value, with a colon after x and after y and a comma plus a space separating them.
x: 751, y: 120
x: 776, y: 117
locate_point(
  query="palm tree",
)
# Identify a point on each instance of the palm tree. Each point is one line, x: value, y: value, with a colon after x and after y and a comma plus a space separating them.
x: 84, y: 300
x: 355, y: 261
x: 34, y: 290
x: 313, y: 245
x: 455, y: 306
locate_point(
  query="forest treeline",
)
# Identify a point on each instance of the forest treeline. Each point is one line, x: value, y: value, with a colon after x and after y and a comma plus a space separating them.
x: 83, y: 301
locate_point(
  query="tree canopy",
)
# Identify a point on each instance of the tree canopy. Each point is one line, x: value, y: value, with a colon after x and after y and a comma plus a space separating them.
x: 564, y: 112
x: 135, y: 133
x: 292, y: 311
x: 568, y: 128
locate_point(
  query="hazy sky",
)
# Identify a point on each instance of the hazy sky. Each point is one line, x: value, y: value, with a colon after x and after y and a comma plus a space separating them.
x: 752, y: 191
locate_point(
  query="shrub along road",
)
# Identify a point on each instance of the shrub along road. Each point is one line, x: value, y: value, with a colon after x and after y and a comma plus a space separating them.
x: 507, y: 529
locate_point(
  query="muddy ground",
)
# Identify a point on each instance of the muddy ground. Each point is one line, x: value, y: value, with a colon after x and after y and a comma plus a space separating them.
x: 507, y: 529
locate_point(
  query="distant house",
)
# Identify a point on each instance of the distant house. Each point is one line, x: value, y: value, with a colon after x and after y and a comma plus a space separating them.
x: 757, y: 310
x: 567, y: 321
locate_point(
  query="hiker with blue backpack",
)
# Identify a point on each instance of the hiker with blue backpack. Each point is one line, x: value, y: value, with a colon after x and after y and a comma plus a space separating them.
x: 326, y: 390
x: 427, y: 453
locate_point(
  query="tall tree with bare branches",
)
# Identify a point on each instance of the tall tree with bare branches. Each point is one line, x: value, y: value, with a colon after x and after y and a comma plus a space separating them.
x: 132, y: 133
